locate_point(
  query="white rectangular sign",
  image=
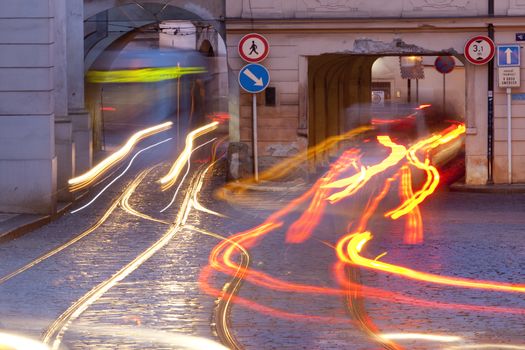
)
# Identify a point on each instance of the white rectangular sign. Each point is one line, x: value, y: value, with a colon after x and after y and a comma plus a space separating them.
x: 509, y: 77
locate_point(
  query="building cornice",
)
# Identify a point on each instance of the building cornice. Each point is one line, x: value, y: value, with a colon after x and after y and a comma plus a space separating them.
x: 337, y: 25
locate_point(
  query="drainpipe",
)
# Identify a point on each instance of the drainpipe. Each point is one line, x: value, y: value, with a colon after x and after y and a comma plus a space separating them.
x: 490, y: 93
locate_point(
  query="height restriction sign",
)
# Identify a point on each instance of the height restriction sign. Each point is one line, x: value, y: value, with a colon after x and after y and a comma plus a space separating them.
x: 480, y: 50
x: 253, y: 48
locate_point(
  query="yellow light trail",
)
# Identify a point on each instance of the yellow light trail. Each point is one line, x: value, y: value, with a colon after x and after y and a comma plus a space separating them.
x: 16, y: 342
x: 169, y: 180
x: 143, y: 75
x: 94, y: 173
x: 282, y: 168
x: 422, y: 336
x: 357, y: 181
x: 181, y: 182
x: 225, y: 303
x: 355, y: 242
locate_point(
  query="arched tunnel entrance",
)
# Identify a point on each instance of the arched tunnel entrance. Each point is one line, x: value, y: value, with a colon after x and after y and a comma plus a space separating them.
x: 347, y: 91
x: 155, y: 63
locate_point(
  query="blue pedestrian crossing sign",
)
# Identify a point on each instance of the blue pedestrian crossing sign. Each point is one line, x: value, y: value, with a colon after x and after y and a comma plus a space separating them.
x: 509, y: 55
x: 254, y: 78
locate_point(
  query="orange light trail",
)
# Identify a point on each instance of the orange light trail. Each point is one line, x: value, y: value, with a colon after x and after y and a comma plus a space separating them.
x: 222, y: 257
x: 302, y: 229
x: 169, y: 180
x: 267, y: 310
x: 432, y: 180
x: 94, y: 173
x: 354, y: 243
x: 414, y: 222
x: 392, y: 121
x: 372, y: 205
x: 222, y: 260
x: 356, y: 182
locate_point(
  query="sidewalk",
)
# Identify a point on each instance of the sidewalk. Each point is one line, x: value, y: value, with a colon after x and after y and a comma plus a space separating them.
x: 15, y: 225
x: 460, y: 186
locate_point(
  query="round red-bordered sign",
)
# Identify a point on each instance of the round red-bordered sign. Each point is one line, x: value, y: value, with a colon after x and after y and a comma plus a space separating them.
x: 480, y: 50
x: 444, y: 64
x: 253, y: 48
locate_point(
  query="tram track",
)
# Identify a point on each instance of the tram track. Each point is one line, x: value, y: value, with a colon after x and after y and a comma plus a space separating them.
x: 221, y: 317
x: 222, y: 313
x: 355, y: 307
x: 221, y: 324
x: 75, y: 239
x: 53, y: 335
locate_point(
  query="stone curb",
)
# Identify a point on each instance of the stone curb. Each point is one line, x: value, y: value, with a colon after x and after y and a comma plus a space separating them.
x: 292, y: 186
x: 25, y: 223
x: 496, y: 188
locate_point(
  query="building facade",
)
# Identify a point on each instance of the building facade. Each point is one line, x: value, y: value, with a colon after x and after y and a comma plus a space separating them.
x: 321, y: 59
x: 320, y: 64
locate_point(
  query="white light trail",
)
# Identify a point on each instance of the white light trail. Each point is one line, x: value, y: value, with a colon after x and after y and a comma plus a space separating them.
x: 120, y: 175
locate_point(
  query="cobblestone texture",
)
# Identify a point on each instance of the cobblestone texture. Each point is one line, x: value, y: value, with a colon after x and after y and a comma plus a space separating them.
x: 467, y: 235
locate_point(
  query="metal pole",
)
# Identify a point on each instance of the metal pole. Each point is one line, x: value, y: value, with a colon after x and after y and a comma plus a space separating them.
x: 102, y: 119
x: 409, y: 88
x: 255, y: 154
x: 509, y: 133
x: 444, y: 95
x: 417, y: 91
x: 490, y: 109
x: 178, y: 109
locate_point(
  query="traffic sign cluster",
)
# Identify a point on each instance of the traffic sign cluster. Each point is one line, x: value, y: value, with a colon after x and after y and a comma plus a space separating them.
x: 254, y: 77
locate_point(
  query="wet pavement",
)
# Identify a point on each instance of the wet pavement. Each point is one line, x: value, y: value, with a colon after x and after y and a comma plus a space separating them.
x: 469, y: 235
x: 475, y: 236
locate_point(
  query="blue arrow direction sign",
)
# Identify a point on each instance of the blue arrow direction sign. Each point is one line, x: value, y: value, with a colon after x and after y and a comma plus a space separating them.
x: 509, y: 55
x: 254, y: 78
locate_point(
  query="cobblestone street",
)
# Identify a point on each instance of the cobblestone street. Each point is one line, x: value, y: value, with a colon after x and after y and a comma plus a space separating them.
x: 173, y: 294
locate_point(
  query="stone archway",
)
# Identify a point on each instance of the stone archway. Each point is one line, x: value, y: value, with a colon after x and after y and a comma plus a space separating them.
x: 336, y: 83
x: 206, y: 10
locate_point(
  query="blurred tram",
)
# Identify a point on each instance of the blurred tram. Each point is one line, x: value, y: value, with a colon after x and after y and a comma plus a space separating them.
x: 141, y: 86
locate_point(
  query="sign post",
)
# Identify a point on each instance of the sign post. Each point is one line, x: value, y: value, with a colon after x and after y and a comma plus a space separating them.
x: 444, y: 65
x: 509, y: 76
x: 254, y: 78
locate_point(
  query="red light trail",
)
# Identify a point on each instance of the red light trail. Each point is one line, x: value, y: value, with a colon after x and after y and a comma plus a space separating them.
x: 332, y: 188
